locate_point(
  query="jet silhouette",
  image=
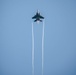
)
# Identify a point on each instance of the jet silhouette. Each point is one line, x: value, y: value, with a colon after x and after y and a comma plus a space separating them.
x: 37, y: 17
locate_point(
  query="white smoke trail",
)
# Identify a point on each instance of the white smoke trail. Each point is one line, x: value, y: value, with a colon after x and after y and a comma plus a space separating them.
x: 32, y: 50
x: 43, y: 47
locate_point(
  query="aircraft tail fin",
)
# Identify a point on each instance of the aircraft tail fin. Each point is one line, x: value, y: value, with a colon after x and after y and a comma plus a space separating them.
x: 37, y: 20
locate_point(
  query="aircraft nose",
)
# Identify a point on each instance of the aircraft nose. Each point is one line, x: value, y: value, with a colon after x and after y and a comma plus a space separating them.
x: 38, y: 11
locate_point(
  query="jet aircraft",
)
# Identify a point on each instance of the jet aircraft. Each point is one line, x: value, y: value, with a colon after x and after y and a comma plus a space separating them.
x: 37, y: 17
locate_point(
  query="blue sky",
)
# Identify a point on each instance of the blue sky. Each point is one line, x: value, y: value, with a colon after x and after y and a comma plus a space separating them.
x: 16, y: 41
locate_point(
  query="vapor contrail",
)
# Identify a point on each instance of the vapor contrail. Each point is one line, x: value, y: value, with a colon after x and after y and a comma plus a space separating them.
x: 32, y: 50
x: 43, y: 47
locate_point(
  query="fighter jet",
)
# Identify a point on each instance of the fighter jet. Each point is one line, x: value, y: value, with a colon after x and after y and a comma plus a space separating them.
x: 37, y: 17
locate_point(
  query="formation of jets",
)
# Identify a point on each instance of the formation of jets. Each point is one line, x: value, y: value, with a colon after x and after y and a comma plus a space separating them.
x: 38, y: 17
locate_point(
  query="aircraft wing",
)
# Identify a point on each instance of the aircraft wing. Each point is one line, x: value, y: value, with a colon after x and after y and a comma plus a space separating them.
x: 41, y: 17
x: 34, y: 17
